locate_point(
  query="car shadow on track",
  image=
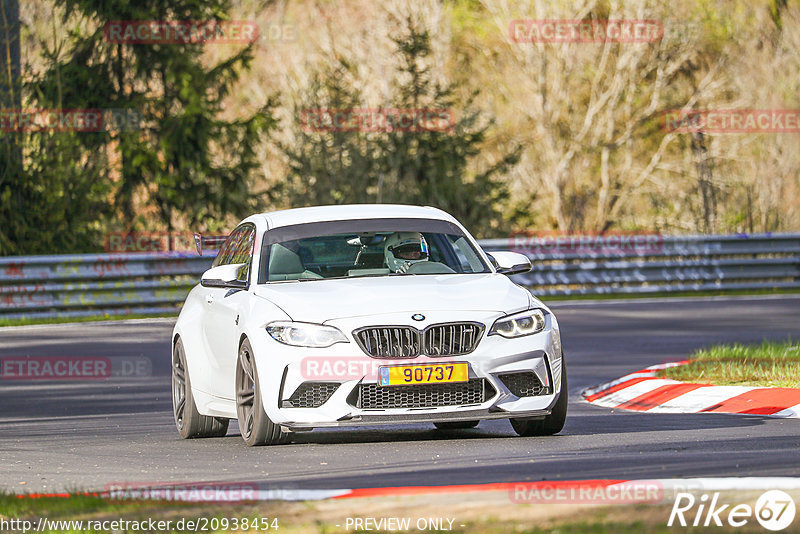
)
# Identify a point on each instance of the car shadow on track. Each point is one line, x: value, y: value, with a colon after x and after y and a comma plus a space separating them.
x: 578, y: 425
x: 395, y: 433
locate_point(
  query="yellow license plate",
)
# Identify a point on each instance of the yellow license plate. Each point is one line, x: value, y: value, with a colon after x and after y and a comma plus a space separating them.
x: 408, y: 375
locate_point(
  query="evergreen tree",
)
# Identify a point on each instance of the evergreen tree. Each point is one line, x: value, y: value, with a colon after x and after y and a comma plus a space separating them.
x: 329, y: 166
x: 417, y: 165
x: 172, y: 154
x: 430, y: 167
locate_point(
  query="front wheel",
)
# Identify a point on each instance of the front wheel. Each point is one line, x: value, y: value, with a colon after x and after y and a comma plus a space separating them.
x: 189, y: 421
x: 255, y: 426
x: 550, y: 424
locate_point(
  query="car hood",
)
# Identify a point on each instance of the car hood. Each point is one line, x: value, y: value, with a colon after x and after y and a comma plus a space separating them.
x: 318, y: 301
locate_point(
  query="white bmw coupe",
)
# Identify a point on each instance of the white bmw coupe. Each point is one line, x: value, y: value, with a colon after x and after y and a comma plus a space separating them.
x: 358, y: 315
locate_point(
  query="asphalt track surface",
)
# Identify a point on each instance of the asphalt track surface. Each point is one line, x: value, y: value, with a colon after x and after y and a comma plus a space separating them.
x: 69, y: 435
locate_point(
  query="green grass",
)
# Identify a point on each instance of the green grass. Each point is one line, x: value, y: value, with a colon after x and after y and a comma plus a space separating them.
x: 554, y: 298
x: 603, y: 528
x: 769, y: 364
x: 327, y: 517
x: 89, y: 508
x: 74, y: 508
x: 306, y: 517
x: 93, y: 318
x: 66, y: 507
x: 663, y: 294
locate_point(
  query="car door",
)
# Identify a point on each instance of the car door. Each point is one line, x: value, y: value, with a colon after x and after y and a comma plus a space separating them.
x: 224, y: 309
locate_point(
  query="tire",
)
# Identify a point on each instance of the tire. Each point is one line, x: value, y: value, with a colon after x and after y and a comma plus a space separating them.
x: 550, y: 424
x: 255, y: 426
x: 456, y: 425
x: 189, y: 422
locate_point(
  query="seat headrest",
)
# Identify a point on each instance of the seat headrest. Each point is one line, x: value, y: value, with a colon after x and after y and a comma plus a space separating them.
x: 284, y: 261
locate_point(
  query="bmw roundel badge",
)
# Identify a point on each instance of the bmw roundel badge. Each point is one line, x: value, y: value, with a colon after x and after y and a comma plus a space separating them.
x: 418, y: 317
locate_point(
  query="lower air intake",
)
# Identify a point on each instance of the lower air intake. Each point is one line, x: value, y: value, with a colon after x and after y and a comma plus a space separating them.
x: 375, y: 397
x: 524, y: 384
x: 311, y: 395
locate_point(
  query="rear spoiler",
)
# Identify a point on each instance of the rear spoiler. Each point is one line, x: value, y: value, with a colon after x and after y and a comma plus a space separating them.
x: 208, y: 242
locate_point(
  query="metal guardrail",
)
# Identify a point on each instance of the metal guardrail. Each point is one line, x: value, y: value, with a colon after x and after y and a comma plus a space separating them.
x: 97, y: 284
x: 656, y: 264
x: 122, y: 284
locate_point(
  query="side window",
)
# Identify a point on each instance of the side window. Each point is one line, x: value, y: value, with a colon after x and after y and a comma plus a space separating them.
x: 470, y: 262
x: 434, y: 251
x: 224, y: 254
x: 242, y: 251
x: 238, y: 248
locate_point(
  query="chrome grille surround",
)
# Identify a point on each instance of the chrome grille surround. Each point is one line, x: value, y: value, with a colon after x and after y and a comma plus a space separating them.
x: 441, y: 339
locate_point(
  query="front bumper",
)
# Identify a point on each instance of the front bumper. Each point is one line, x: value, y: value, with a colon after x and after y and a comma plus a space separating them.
x: 284, y: 369
x: 406, y: 418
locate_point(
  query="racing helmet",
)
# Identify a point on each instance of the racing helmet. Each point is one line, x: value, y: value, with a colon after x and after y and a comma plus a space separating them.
x: 402, y: 249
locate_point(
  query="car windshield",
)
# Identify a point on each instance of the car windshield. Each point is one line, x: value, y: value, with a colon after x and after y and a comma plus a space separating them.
x: 358, y: 248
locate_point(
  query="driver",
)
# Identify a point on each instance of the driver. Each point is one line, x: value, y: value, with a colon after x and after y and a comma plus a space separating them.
x: 404, y: 249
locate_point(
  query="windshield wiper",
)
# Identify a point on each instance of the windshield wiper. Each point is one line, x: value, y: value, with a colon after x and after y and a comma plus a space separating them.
x: 351, y: 277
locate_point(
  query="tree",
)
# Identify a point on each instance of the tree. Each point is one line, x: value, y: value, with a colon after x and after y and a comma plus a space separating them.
x: 329, y: 166
x: 430, y: 167
x: 591, y: 113
x: 419, y: 165
x: 178, y: 161
x: 12, y: 181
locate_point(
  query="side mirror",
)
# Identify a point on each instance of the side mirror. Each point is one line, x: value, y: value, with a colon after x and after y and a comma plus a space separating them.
x: 226, y: 276
x: 510, y: 262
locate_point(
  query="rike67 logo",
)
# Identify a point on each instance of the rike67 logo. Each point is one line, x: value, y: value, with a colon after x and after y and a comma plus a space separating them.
x: 774, y: 510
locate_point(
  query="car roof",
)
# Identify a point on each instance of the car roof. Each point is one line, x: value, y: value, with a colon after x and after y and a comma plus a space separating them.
x: 341, y: 212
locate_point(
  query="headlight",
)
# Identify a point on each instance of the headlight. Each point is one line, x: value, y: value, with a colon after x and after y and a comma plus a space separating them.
x: 305, y: 334
x: 520, y: 324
